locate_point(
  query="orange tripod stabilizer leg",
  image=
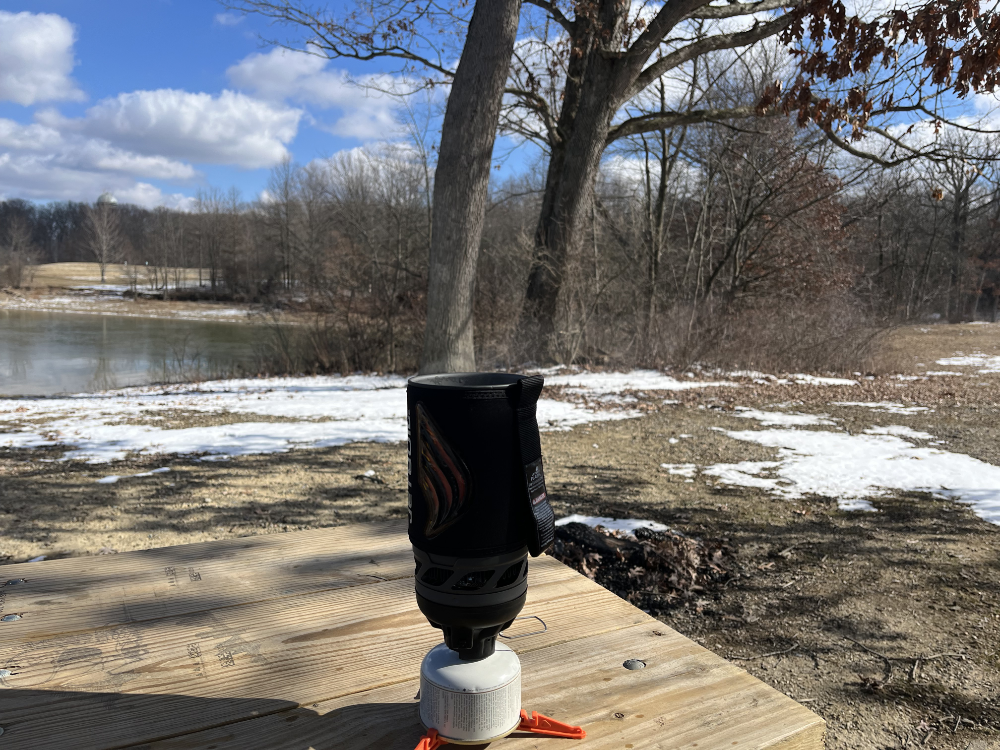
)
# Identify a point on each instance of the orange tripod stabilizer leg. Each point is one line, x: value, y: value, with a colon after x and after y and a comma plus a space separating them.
x: 541, y: 724
x: 431, y: 741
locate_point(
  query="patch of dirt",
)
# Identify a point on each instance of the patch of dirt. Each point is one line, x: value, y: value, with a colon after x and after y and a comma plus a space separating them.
x: 60, y: 509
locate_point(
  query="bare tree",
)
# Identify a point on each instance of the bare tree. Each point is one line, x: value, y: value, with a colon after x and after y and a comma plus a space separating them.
x: 104, y: 238
x: 18, y: 253
x: 461, y: 184
x: 586, y: 62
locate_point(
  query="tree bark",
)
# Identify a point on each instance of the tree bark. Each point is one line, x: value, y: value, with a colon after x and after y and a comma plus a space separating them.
x: 593, y: 92
x: 461, y: 184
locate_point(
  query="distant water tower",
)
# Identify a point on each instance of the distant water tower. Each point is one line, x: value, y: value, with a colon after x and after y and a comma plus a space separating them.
x: 107, y: 199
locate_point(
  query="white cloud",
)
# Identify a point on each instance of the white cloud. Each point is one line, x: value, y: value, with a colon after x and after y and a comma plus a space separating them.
x: 280, y: 75
x: 39, y: 162
x: 36, y: 58
x: 37, y: 142
x: 44, y: 178
x: 150, y: 196
x: 229, y: 128
x: 123, y: 142
x: 229, y: 19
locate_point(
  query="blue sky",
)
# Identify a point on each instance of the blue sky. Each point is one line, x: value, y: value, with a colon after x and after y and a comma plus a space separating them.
x: 156, y: 99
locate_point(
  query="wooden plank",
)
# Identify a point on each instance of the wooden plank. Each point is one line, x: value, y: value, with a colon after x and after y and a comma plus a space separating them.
x: 81, y: 594
x: 194, y: 671
x: 686, y: 697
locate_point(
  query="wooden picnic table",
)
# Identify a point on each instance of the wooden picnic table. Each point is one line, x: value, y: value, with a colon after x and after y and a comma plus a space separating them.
x: 313, y: 640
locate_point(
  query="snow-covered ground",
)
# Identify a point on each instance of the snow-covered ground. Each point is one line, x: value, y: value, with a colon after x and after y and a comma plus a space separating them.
x: 888, y: 407
x: 987, y: 364
x: 266, y: 416
x: 281, y: 414
x: 115, y: 304
x: 855, y: 468
x: 627, y: 525
x: 773, y: 418
x: 610, y: 383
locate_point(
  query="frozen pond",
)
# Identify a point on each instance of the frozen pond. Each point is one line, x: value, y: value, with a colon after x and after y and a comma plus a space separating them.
x: 46, y: 353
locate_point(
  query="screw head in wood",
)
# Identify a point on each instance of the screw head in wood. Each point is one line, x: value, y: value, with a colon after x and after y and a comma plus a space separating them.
x: 634, y: 664
x: 10, y: 618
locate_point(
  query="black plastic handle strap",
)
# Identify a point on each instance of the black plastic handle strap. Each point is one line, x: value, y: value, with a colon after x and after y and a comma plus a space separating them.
x: 541, y: 526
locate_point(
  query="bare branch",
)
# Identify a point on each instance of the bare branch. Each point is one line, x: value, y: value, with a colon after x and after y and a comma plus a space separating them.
x: 345, y: 39
x: 671, y: 14
x: 845, y: 146
x: 741, y: 9
x: 666, y: 120
x: 702, y: 46
x: 539, y: 106
x: 553, y: 12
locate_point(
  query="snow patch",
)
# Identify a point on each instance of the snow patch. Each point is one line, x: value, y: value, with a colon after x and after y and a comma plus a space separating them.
x: 776, y: 418
x: 900, y: 431
x: 684, y: 470
x: 986, y: 363
x: 802, y: 379
x: 616, y: 382
x: 885, y: 406
x: 628, y: 525
x: 854, y: 468
x: 315, y: 412
x: 114, y: 477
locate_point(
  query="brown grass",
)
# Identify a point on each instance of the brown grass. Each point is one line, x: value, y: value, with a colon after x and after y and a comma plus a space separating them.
x: 77, y: 274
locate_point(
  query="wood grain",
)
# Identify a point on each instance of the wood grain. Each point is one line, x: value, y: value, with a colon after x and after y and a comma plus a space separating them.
x: 685, y: 698
x: 81, y: 594
x: 184, y: 671
x: 291, y: 641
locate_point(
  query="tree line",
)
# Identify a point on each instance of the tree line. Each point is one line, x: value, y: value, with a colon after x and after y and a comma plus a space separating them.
x: 759, y: 247
x: 580, y: 78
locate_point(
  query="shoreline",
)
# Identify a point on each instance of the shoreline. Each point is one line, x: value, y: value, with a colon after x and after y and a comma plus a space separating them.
x: 85, y: 302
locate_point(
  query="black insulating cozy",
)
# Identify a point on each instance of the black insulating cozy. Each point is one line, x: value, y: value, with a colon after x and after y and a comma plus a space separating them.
x: 476, y: 484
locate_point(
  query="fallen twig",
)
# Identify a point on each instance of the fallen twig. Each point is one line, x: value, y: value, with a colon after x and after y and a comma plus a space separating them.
x: 883, y: 657
x: 918, y: 662
x: 770, y: 653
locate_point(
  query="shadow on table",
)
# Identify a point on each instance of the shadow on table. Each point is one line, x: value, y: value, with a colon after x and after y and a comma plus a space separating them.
x: 56, y: 720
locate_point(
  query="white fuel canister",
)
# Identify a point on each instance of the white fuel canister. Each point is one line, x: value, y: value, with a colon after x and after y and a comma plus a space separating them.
x: 470, y: 702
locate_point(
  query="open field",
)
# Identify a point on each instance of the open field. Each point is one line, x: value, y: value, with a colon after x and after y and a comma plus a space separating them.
x: 77, y: 288
x: 863, y: 511
x: 70, y: 275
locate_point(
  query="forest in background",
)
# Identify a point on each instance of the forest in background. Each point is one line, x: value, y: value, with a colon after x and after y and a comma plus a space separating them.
x: 762, y: 246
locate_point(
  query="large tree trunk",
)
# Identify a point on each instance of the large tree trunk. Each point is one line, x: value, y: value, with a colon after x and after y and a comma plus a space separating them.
x: 956, y: 287
x: 595, y: 82
x: 461, y: 182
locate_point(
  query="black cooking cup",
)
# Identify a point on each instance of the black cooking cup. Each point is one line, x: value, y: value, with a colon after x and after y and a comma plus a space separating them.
x: 477, y: 501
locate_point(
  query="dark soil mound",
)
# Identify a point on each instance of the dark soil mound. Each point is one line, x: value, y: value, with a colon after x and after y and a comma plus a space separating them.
x: 654, y: 571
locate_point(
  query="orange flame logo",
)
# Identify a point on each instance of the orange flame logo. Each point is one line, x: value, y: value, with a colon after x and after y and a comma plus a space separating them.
x: 444, y: 479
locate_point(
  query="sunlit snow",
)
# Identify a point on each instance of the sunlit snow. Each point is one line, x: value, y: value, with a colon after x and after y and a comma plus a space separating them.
x: 776, y: 418
x: 267, y: 416
x: 855, y: 468
x: 888, y: 407
x: 637, y: 380
x: 984, y: 362
x: 613, y: 524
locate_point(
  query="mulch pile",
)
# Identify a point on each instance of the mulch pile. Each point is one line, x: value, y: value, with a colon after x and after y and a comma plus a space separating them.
x: 654, y: 570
